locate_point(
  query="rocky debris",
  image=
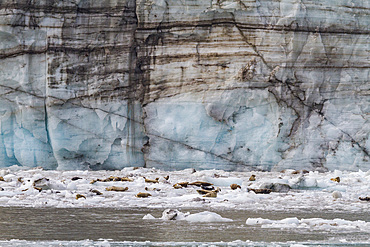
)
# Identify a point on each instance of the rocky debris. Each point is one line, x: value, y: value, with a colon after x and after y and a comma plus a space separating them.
x: 235, y: 186
x: 252, y: 178
x: 78, y: 196
x: 337, y: 179
x: 116, y: 188
x: 143, y: 195
x: 364, y: 198
x: 167, y: 177
x: 2, y: 179
x: 276, y: 187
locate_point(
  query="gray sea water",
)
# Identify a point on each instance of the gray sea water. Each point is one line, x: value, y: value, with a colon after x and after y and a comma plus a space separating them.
x: 125, y: 227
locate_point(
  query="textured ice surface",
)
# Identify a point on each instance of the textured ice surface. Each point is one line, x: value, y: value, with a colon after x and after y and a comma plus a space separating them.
x: 232, y: 85
x: 311, y: 191
x: 313, y: 224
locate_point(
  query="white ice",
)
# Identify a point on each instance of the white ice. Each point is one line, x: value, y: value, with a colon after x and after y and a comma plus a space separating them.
x: 313, y: 224
x: 174, y: 214
x: 311, y: 191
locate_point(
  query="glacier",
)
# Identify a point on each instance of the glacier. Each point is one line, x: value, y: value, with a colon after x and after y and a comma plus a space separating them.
x: 234, y: 85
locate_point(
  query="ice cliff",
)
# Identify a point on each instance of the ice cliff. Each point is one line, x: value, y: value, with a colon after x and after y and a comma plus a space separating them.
x: 233, y: 85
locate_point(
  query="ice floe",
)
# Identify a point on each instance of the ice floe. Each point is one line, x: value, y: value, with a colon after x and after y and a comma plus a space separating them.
x: 275, y: 191
x: 313, y: 224
x: 174, y: 214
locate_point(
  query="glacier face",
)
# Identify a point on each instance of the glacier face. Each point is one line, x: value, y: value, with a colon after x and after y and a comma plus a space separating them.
x: 233, y: 85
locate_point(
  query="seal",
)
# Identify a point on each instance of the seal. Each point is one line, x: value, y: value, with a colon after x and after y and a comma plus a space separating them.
x: 235, y: 186
x: 114, y: 179
x: 207, y: 187
x: 260, y: 191
x: 199, y: 183
x: 211, y: 194
x: 203, y: 192
x: 170, y: 214
x: 181, y: 185
x: 147, y: 180
x: 97, y: 192
x: 41, y: 183
x: 152, y: 189
x: 78, y: 196
x: 115, y: 188
x: 337, y: 179
x: 365, y: 198
x: 143, y: 195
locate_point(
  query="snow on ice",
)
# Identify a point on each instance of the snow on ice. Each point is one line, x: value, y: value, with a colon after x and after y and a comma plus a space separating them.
x: 275, y: 191
x: 313, y: 224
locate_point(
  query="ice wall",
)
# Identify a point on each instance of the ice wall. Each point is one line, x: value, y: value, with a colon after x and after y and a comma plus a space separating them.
x: 234, y: 85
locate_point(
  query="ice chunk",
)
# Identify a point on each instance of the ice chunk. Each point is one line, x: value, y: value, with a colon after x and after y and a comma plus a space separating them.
x: 257, y: 221
x: 336, y: 194
x: 148, y: 217
x: 206, y: 216
x: 224, y: 182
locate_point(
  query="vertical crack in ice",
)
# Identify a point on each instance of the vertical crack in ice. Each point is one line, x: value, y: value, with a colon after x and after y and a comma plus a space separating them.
x: 131, y: 126
x: 253, y: 46
x: 46, y: 120
x: 311, y: 108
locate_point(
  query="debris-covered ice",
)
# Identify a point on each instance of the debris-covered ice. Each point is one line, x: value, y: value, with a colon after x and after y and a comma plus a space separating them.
x: 142, y: 187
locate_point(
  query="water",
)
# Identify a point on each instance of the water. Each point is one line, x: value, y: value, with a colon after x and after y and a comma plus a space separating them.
x: 120, y: 225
